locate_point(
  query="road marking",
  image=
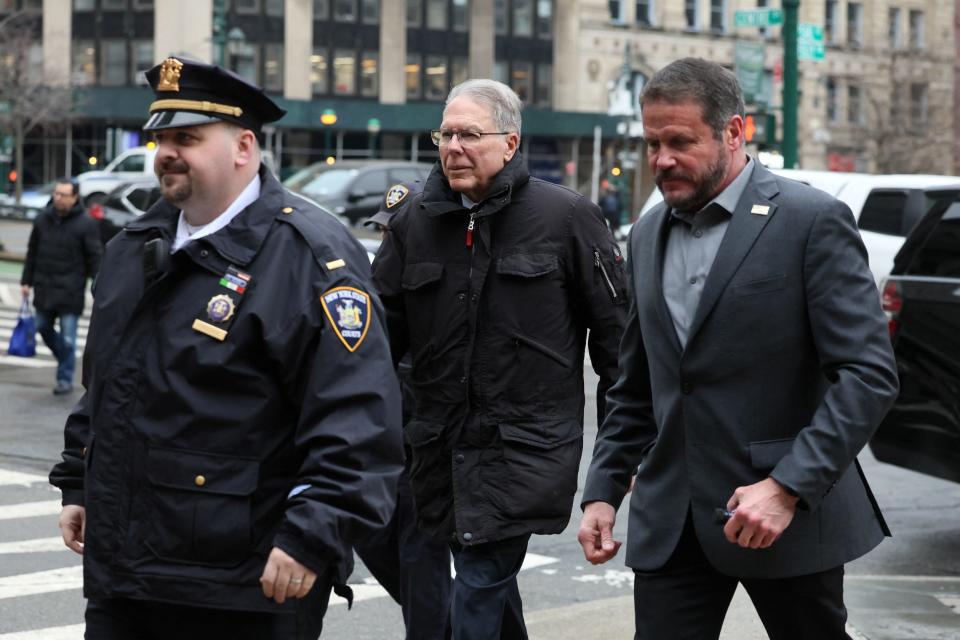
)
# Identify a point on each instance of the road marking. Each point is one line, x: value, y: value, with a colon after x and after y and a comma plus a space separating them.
x: 31, y: 584
x: 68, y: 632
x: 37, y: 545
x: 30, y: 509
x: 612, y: 577
x: 23, y: 479
x: 950, y: 601
x: 26, y: 362
x: 534, y: 560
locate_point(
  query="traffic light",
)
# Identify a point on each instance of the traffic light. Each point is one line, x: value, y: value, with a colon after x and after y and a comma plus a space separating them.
x: 759, y: 128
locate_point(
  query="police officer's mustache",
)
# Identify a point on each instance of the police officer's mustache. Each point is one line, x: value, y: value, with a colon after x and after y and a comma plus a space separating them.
x: 173, y: 166
x: 669, y: 174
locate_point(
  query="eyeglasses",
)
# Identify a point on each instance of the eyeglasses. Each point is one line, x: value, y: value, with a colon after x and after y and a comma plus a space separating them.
x: 443, y: 137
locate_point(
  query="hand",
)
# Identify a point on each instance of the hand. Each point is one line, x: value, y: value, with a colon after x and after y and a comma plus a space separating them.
x: 596, y: 532
x: 25, y: 290
x: 284, y: 577
x: 73, y: 524
x: 763, y: 512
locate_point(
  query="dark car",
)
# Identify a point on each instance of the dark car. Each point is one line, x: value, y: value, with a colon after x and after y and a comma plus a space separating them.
x: 922, y: 300
x: 124, y: 204
x: 353, y: 189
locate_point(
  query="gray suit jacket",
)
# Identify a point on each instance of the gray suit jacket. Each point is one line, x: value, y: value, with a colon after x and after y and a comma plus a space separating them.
x: 787, y: 372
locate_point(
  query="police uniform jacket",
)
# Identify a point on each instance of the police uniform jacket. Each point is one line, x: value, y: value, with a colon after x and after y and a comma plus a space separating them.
x: 195, y: 452
x: 494, y: 304
x: 63, y: 251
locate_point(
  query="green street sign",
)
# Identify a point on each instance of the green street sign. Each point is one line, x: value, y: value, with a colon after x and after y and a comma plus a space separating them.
x: 758, y: 17
x: 810, y: 45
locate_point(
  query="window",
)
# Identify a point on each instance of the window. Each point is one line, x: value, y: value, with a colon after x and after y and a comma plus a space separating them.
x: 247, y: 6
x: 142, y: 60
x: 501, y: 71
x: 855, y: 24
x: 545, y: 18
x: 344, y: 11
x: 544, y: 84
x: 134, y: 163
x: 459, y: 71
x: 690, y: 13
x: 521, y: 81
x: 897, y: 110
x: 435, y: 78
x: 831, y: 100
x: 274, y: 7
x: 370, y: 11
x: 916, y: 29
x: 143, y: 4
x: 918, y: 104
x: 113, y: 5
x: 830, y: 21
x: 344, y: 72
x: 437, y: 14
x: 369, y: 74
x: 113, y: 62
x: 245, y: 59
x: 617, y: 10
x: 370, y: 183
x: 78, y: 5
x: 318, y: 72
x: 523, y: 18
x: 460, y: 18
x: 854, y: 105
x: 273, y: 66
x: 883, y: 212
x: 896, y: 36
x: 500, y: 17
x: 413, y: 76
x: 321, y: 9
x: 938, y: 256
x: 718, y: 16
x: 84, y: 62
x: 414, y: 9
x: 645, y: 13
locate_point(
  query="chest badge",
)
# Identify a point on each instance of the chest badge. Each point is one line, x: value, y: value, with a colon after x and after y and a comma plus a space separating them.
x: 348, y: 310
x: 220, y: 308
x: 395, y: 195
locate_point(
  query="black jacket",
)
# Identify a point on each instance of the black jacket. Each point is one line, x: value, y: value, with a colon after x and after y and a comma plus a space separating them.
x: 63, y: 251
x: 190, y: 452
x: 497, y: 327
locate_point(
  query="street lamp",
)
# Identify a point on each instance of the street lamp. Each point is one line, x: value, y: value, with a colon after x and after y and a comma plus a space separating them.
x: 236, y: 39
x: 328, y: 118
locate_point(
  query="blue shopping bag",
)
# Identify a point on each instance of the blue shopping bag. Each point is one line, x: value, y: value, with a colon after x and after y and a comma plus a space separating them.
x: 23, y: 340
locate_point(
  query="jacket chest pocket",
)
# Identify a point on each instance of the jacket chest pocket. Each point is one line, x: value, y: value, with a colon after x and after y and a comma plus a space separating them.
x: 200, y: 504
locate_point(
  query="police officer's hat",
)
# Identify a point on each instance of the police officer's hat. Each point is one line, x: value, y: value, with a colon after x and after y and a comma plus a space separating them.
x: 191, y: 93
x: 391, y: 201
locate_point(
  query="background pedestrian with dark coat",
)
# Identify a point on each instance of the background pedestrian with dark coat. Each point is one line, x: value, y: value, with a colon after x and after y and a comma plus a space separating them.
x: 491, y: 280
x: 63, y: 251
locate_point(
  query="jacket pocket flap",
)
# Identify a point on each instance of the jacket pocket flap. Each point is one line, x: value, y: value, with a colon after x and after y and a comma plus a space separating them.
x: 420, y: 273
x: 763, y: 285
x: 765, y: 454
x: 527, y: 265
x: 421, y: 432
x: 543, y: 435
x: 202, y: 472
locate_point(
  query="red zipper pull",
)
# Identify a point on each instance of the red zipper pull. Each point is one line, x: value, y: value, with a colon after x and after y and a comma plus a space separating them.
x: 470, y: 230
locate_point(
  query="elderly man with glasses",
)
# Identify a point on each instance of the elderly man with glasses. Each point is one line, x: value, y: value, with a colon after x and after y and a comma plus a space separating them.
x: 491, y: 279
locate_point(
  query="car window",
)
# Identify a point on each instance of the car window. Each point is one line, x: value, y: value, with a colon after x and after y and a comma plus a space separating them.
x: 940, y: 254
x: 883, y: 212
x: 132, y: 163
x: 406, y: 174
x: 327, y: 183
x: 371, y: 182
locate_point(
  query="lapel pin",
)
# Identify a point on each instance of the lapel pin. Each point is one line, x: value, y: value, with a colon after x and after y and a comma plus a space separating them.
x: 760, y: 209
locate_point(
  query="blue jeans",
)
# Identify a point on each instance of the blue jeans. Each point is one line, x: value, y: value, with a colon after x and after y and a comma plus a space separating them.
x: 63, y: 344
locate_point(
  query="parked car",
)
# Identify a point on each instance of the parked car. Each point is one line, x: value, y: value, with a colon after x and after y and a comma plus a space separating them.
x: 125, y: 203
x: 132, y: 164
x: 886, y: 206
x: 353, y: 189
x: 922, y: 300
x: 32, y: 201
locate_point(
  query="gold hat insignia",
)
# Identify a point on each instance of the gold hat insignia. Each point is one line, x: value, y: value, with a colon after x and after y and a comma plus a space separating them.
x: 170, y: 75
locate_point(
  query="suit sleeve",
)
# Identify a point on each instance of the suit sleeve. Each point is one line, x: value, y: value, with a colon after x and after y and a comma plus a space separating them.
x: 853, y: 345
x: 601, y: 287
x: 629, y: 428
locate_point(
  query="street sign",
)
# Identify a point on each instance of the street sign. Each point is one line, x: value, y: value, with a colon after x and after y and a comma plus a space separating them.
x: 748, y: 65
x: 810, y: 45
x: 758, y: 17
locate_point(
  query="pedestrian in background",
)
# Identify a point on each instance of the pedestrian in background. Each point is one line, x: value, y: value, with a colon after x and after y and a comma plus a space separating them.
x: 754, y: 367
x: 63, y: 252
x: 611, y: 207
x: 491, y: 280
x: 241, y: 425
x: 413, y: 566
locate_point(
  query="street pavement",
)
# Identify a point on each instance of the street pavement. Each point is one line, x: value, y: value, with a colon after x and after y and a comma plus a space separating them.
x: 909, y: 588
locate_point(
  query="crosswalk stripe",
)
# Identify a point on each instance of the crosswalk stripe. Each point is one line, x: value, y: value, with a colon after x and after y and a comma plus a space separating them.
x: 37, y: 545
x: 27, y: 362
x: 16, y: 477
x: 68, y: 632
x: 30, y: 509
x: 31, y: 584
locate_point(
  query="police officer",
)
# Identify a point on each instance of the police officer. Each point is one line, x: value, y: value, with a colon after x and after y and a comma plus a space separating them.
x: 411, y: 565
x: 241, y: 422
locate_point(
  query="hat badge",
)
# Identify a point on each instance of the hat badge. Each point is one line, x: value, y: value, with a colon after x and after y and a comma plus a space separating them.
x: 170, y: 75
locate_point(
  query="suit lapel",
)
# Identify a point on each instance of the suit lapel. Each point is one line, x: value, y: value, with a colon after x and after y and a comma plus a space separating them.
x: 744, y: 228
x: 654, y: 264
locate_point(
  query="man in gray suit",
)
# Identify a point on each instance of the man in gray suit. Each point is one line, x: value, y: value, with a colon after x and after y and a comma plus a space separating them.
x: 754, y: 367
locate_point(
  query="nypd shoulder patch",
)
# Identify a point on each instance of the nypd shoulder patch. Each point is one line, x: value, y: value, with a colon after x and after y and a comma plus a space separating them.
x: 348, y: 310
x: 395, y: 195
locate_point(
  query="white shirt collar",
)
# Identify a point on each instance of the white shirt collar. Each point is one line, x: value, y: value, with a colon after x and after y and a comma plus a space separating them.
x: 247, y: 197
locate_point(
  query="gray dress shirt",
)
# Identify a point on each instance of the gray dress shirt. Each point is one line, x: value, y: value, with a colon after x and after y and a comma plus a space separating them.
x: 692, y: 245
